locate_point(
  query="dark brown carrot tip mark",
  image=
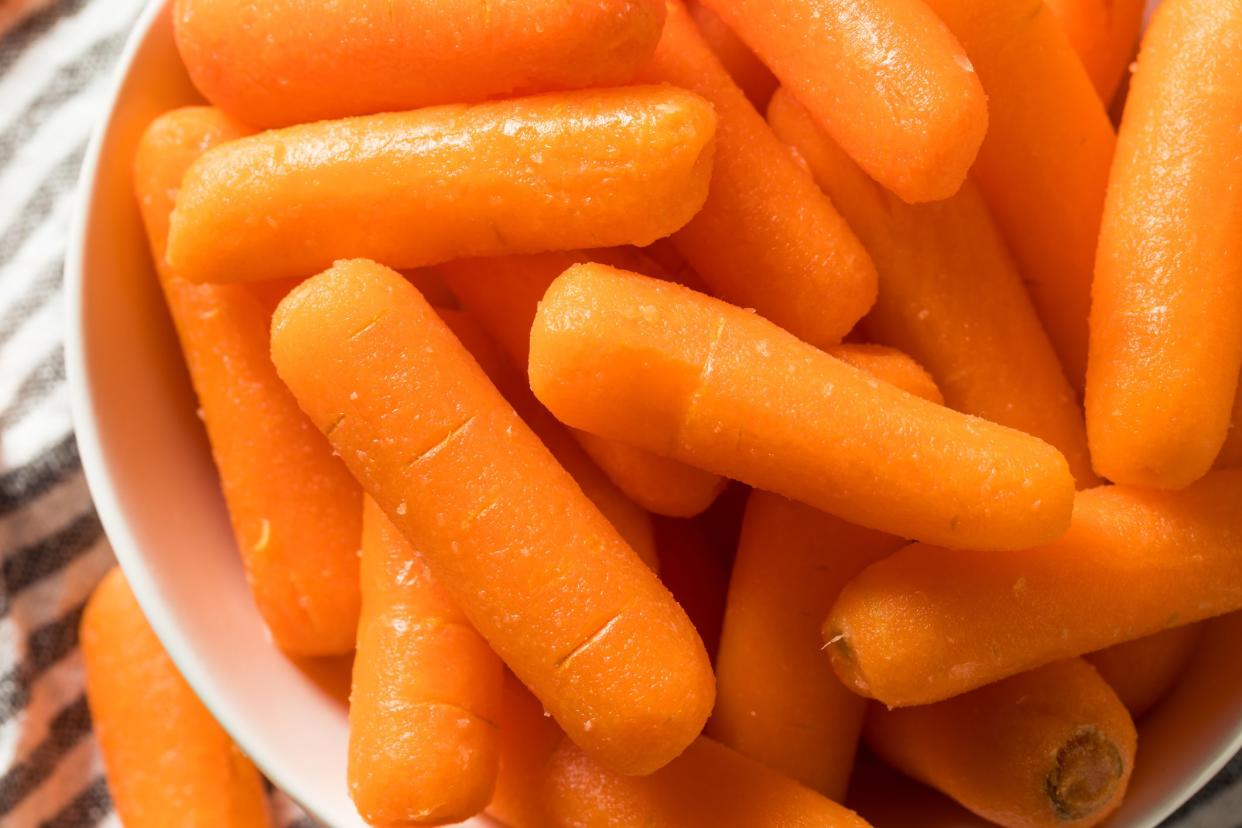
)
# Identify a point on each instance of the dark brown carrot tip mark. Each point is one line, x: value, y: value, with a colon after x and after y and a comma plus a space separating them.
x: 1085, y: 777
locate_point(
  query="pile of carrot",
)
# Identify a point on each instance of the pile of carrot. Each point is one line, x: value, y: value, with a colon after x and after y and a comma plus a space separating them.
x: 667, y: 404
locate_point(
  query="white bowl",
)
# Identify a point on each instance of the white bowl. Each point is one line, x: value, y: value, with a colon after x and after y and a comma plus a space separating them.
x: 149, y: 470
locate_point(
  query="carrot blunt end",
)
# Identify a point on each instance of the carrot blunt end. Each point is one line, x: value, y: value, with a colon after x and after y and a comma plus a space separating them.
x: 1085, y: 776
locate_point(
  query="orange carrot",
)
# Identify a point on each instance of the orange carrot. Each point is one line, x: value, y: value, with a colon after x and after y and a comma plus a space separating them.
x: 295, y: 510
x: 891, y: 366
x: 502, y: 293
x: 528, y: 736
x: 1166, y: 323
x: 1134, y: 562
x: 631, y: 522
x: 423, y: 747
x: 168, y: 761
x: 708, y: 786
x: 1044, y: 164
x: 1230, y: 456
x: 284, y: 62
x: 1105, y: 34
x: 1047, y: 748
x: 950, y: 296
x: 688, y: 376
x: 1142, y: 671
x: 742, y: 64
x: 884, y: 77
x: 535, y: 567
x: 766, y: 238
x: 574, y: 169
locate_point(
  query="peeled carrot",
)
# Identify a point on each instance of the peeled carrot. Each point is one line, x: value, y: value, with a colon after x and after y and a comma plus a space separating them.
x: 284, y: 62
x: 535, y: 567
x: 884, y: 77
x: 891, y: 366
x: 168, y: 761
x: 1230, y: 456
x: 688, y: 376
x: 742, y: 64
x: 295, y: 510
x: 1105, y: 34
x: 502, y: 293
x: 631, y: 522
x: 528, y: 736
x: 1166, y: 323
x: 423, y: 713
x: 574, y: 169
x: 1142, y: 671
x: 1047, y: 748
x: 1044, y: 164
x: 950, y: 296
x: 1134, y: 562
x: 708, y: 786
x: 766, y: 238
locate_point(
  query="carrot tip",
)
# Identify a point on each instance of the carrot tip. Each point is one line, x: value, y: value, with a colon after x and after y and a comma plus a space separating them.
x: 1086, y: 774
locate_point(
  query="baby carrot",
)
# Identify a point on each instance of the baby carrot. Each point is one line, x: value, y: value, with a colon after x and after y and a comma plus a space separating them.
x: 294, y: 508
x: 1105, y: 34
x: 742, y: 64
x: 777, y: 699
x: 502, y: 294
x: 1047, y: 748
x: 950, y: 296
x: 528, y: 736
x: 766, y: 238
x: 1166, y: 322
x: 631, y: 522
x: 1044, y: 164
x: 688, y: 376
x: 891, y: 366
x: 574, y: 169
x: 423, y: 712
x: 506, y: 531
x: 884, y: 77
x: 285, y: 62
x: 1142, y: 671
x: 708, y: 786
x: 168, y: 761
x: 1134, y: 562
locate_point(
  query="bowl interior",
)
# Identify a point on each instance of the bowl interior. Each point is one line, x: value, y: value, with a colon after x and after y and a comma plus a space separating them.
x: 150, y: 471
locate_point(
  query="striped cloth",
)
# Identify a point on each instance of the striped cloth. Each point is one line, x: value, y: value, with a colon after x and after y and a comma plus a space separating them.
x: 55, y: 57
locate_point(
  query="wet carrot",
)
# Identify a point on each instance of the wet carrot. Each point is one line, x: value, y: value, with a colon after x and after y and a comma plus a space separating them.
x: 950, y: 296
x: 285, y: 62
x: 528, y: 736
x: 423, y: 712
x: 766, y: 238
x: 1166, y: 322
x: 506, y: 531
x: 742, y: 64
x: 1134, y: 562
x: 168, y: 761
x: 1142, y: 671
x: 1105, y: 34
x: 706, y: 787
x: 294, y: 508
x: 1047, y: 748
x: 565, y: 170
x: 688, y: 376
x: 886, y: 79
x: 1044, y: 164
x: 502, y: 294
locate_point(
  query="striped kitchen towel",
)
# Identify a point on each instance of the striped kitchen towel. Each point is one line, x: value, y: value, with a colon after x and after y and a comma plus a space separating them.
x: 55, y: 61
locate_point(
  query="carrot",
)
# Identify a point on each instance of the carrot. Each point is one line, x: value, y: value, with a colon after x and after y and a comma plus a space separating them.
x: 1142, y: 671
x: 742, y: 64
x: 1134, y: 562
x: 502, y: 294
x: 294, y: 508
x: 891, y: 366
x: 1044, y: 164
x: 575, y: 169
x: 694, y: 565
x: 1105, y: 34
x: 778, y: 701
x: 688, y: 376
x: 284, y: 62
x: 1047, y: 748
x: 950, y: 296
x: 766, y: 238
x: 631, y: 522
x: 528, y: 736
x: 1166, y: 323
x: 708, y: 786
x: 1230, y: 456
x: 538, y: 571
x: 168, y: 761
x: 423, y: 747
